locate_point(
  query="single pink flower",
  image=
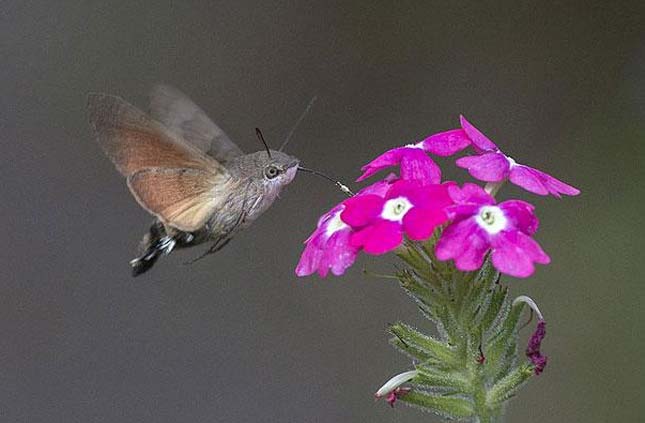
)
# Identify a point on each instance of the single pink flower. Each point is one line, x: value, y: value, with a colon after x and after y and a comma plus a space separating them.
x: 492, y: 165
x: 479, y: 225
x: 409, y: 207
x: 413, y: 159
x: 328, y: 247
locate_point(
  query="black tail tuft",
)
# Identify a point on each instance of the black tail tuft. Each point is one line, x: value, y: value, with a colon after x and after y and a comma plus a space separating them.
x: 150, y: 249
x: 144, y: 263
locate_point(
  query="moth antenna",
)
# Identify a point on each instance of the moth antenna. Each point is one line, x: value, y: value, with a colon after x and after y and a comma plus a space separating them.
x: 339, y: 184
x: 295, y: 126
x: 261, y: 138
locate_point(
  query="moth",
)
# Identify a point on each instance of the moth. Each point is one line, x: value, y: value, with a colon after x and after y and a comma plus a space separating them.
x: 185, y: 171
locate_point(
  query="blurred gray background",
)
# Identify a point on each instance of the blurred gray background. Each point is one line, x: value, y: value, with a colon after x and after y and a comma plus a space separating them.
x: 237, y: 337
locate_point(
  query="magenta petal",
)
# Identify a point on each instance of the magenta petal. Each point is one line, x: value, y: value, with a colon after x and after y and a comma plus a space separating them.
x: 310, y: 260
x: 419, y: 224
x: 434, y: 197
x: 417, y: 165
x: 379, y: 238
x: 459, y: 212
x: 338, y: 254
x: 361, y: 209
x: 514, y: 253
x: 403, y: 188
x: 326, y: 218
x: 520, y: 215
x: 325, y: 251
x: 489, y: 167
x: 322, y: 254
x: 385, y: 160
x: 522, y: 176
x: 553, y: 185
x: 470, y: 193
x: 480, y: 141
x: 378, y: 188
x: 389, y: 158
x: 446, y: 143
x: 463, y: 242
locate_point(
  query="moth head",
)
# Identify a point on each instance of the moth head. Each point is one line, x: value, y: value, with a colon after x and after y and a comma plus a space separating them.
x: 279, y: 168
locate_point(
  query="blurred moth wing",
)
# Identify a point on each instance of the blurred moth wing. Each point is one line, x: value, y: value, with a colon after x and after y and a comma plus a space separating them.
x: 178, y: 113
x: 170, y: 178
x: 182, y: 198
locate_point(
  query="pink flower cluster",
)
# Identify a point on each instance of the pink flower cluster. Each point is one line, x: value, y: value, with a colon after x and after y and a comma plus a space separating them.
x: 378, y: 218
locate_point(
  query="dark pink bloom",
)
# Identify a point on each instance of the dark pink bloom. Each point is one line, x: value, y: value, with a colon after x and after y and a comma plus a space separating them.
x: 479, y: 225
x: 492, y: 165
x: 328, y: 247
x: 533, y: 348
x: 409, y: 207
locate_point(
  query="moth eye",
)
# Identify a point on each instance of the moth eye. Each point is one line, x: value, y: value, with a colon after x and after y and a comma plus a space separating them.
x: 271, y: 172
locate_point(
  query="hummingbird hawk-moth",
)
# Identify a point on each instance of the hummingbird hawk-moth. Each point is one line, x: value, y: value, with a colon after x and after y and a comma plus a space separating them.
x: 185, y: 171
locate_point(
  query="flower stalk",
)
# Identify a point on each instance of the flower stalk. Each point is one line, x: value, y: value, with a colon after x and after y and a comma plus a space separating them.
x: 472, y: 367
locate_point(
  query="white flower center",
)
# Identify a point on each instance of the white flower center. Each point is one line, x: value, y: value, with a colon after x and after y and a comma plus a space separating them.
x: 335, y: 224
x: 511, y: 161
x: 491, y: 219
x: 395, y: 209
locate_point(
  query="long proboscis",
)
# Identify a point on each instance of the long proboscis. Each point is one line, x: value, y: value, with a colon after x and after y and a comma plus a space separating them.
x: 344, y: 188
x: 295, y: 126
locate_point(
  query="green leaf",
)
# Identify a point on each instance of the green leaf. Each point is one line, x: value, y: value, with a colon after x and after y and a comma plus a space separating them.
x: 433, y: 377
x: 493, y: 308
x: 501, y: 348
x: 476, y: 294
x: 410, y: 350
x: 507, y: 360
x: 448, y: 322
x: 426, y: 344
x: 474, y: 300
x: 450, y: 407
x: 419, y: 288
x: 508, y: 385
